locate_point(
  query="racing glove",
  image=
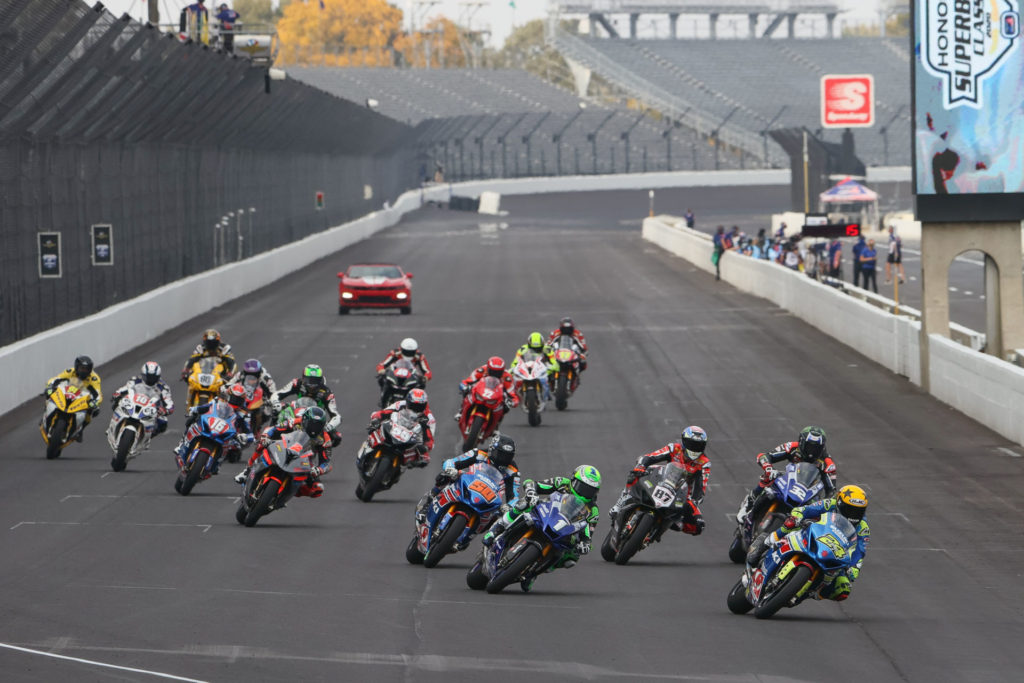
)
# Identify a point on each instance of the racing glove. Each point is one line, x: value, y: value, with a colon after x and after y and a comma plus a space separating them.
x: 316, y: 472
x: 635, y: 474
x: 450, y: 471
x: 790, y: 522
x: 335, y: 438
x: 373, y: 426
x: 463, y: 388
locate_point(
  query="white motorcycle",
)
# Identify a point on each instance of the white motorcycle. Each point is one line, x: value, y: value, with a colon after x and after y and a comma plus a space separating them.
x: 133, y: 424
x: 530, y: 374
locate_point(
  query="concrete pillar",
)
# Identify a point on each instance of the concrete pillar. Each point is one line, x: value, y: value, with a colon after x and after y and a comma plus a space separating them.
x: 634, y: 19
x: 752, y: 25
x: 831, y: 19
x: 673, y: 20
x: 580, y: 76
x: 713, y: 19
x: 790, y: 25
x: 993, y: 309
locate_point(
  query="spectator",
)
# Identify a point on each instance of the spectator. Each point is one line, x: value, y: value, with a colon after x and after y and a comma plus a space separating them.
x: 835, y: 259
x: 774, y: 252
x: 791, y: 256
x: 868, y: 260
x: 895, y: 257
x: 719, y: 241
x: 198, y: 9
x: 689, y: 218
x: 228, y: 18
x: 734, y: 236
x: 858, y: 268
x: 781, y: 232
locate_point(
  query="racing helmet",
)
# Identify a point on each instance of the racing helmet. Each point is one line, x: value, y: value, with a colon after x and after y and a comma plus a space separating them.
x: 150, y: 373
x: 211, y: 339
x: 236, y: 396
x: 586, y: 482
x: 314, y: 421
x: 566, y: 326
x: 502, y: 451
x: 811, y: 443
x: 83, y: 367
x: 496, y: 366
x: 416, y: 401
x: 252, y: 367
x: 535, y: 342
x: 852, y: 502
x: 694, y: 440
x: 409, y: 347
x: 312, y: 377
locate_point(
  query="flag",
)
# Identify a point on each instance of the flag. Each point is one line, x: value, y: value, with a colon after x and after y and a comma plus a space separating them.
x: 322, y: 5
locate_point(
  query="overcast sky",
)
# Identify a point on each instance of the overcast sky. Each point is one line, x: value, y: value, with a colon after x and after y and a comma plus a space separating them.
x: 497, y: 15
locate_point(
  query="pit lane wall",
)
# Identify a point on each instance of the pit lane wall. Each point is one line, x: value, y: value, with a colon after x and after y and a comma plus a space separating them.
x: 981, y: 386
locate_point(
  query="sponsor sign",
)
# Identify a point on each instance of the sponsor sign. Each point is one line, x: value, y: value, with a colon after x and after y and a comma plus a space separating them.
x: 102, y: 245
x: 847, y: 101
x: 49, y: 254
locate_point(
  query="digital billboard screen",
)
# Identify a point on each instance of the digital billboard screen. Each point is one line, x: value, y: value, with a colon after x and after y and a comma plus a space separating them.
x: 968, y: 94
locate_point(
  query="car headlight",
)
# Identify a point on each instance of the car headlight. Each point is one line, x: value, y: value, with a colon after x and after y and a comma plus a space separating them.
x: 402, y: 295
x: 346, y: 295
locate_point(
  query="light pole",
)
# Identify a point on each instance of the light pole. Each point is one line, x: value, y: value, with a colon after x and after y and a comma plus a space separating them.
x: 557, y: 137
x: 502, y: 138
x: 252, y: 247
x: 625, y: 136
x: 592, y: 138
x: 526, y: 141
x: 714, y: 133
x: 479, y: 140
x: 884, y: 130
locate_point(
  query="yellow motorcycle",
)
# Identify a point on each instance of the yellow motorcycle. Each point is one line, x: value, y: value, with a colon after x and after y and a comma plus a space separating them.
x: 67, y: 413
x: 205, y: 380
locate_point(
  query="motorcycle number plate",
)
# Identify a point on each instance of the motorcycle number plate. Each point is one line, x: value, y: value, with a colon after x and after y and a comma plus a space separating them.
x: 217, y: 425
x: 484, y: 490
x: 205, y: 379
x: 663, y: 495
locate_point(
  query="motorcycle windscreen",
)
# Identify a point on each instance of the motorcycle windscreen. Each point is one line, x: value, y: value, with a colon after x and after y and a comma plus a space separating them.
x: 405, y: 426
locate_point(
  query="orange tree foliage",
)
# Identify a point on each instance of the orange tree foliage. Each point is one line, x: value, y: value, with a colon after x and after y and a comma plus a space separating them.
x: 342, y: 33
x: 438, y: 41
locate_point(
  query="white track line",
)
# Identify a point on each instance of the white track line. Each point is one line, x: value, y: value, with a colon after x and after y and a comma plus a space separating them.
x: 102, y: 664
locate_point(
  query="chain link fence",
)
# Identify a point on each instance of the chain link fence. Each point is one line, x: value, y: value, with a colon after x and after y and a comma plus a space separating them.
x: 177, y: 147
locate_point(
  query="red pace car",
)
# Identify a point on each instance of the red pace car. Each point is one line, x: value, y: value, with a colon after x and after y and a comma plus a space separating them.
x: 374, y: 285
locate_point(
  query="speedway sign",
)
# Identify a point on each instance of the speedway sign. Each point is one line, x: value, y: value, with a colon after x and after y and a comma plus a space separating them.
x: 847, y: 101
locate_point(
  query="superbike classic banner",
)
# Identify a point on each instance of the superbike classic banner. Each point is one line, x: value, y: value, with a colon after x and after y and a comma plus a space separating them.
x: 102, y: 245
x: 49, y: 254
x: 968, y: 92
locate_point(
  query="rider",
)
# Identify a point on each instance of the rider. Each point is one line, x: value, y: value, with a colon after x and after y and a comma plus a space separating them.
x: 313, y: 422
x: 850, y: 502
x: 150, y: 376
x: 568, y: 328
x: 535, y: 345
x: 809, y: 447
x: 501, y: 454
x: 410, y: 351
x: 312, y: 385
x: 584, y: 485
x: 416, y: 401
x: 236, y: 399
x: 494, y: 367
x: 211, y: 346
x: 81, y: 374
x: 254, y: 368
x: 689, y: 454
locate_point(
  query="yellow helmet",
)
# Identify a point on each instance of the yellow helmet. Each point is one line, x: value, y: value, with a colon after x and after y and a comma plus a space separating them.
x: 852, y: 502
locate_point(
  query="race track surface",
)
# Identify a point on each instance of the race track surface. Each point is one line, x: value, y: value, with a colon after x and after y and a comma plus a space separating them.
x: 117, y: 568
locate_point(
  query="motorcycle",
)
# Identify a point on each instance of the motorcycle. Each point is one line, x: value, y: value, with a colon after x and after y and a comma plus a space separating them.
x: 387, y: 451
x: 256, y: 402
x: 800, y: 484
x: 205, y: 380
x: 529, y: 373
x: 399, y: 379
x: 482, y: 411
x: 461, y: 510
x: 133, y: 424
x: 64, y: 418
x: 531, y: 545
x: 294, y: 409
x: 209, y: 437
x: 567, y: 377
x: 657, y: 499
x: 280, y: 468
x: 796, y: 568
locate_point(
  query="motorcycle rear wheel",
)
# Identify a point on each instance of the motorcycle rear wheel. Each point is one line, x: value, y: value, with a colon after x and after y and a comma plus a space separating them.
x: 475, y: 577
x: 737, y: 599
x: 636, y: 537
x: 240, y: 513
x: 262, y: 506
x: 412, y: 552
x: 607, y: 551
x: 736, y: 552
x: 474, y: 433
x: 124, y: 447
x: 794, y: 582
x: 529, y: 555
x: 444, y: 544
x: 194, y: 474
x: 58, y: 432
x: 380, y: 471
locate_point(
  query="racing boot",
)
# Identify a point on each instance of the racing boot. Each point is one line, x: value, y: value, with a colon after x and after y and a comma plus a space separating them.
x: 613, y: 511
x: 757, y: 549
x: 496, y: 530
x: 242, y: 476
x: 526, y: 584
x: 746, y: 506
x: 421, y: 509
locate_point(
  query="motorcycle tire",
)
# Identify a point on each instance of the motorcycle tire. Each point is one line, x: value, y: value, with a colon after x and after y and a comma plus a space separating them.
x: 737, y: 599
x: 532, y: 407
x: 412, y: 553
x: 241, y: 513
x: 607, y: 551
x: 529, y: 555
x: 736, y: 551
x: 177, y: 484
x: 475, y: 577
x: 124, y: 447
x: 631, y: 546
x: 474, y: 434
x: 562, y: 393
x: 446, y: 542
x: 380, y: 472
x: 58, y: 432
x: 194, y: 474
x: 262, y: 505
x: 793, y: 583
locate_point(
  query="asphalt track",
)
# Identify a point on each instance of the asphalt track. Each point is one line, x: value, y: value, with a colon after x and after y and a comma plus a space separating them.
x: 119, y: 569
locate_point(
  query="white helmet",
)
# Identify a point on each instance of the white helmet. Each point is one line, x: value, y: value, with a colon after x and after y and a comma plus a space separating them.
x: 409, y: 346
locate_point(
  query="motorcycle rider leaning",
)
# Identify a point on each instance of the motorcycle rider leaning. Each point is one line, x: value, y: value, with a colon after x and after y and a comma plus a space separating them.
x: 689, y: 454
x: 236, y: 399
x: 584, y: 484
x: 535, y: 345
x: 211, y: 346
x: 850, y: 502
x: 313, y: 423
x: 416, y: 401
x: 410, y: 351
x: 149, y: 375
x: 80, y: 374
x: 494, y: 367
x: 312, y: 385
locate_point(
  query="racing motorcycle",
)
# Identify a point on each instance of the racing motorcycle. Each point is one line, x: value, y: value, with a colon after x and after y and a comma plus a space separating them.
x: 399, y: 379
x: 796, y: 568
x: 567, y: 377
x: 133, y: 424
x: 256, y: 402
x: 531, y: 545
x: 529, y: 374
x: 482, y: 412
x: 800, y: 484
x: 293, y: 409
x: 64, y: 418
x: 656, y: 500
x: 461, y: 510
x: 208, y: 439
x: 280, y: 468
x: 387, y: 451
x: 205, y: 380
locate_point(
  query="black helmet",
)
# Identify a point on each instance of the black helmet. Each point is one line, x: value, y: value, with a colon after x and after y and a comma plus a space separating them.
x: 566, y: 326
x: 502, y: 451
x: 694, y: 440
x: 314, y: 421
x: 83, y: 367
x: 812, y: 443
x: 211, y: 340
x: 150, y: 372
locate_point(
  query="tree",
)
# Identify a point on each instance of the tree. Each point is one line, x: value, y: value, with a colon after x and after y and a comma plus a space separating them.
x: 441, y: 44
x: 341, y: 33
x: 525, y: 48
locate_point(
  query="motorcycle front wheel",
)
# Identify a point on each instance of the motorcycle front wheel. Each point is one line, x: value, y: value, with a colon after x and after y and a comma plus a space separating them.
x: 474, y: 433
x: 380, y: 471
x: 194, y: 473
x: 562, y: 392
x: 58, y: 432
x: 736, y: 551
x: 532, y: 406
x: 124, y: 447
x: 262, y: 506
x: 444, y: 544
x: 529, y: 555
x: 631, y: 546
x: 784, y: 593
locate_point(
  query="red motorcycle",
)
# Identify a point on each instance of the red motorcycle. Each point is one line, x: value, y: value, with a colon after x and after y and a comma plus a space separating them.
x: 482, y: 411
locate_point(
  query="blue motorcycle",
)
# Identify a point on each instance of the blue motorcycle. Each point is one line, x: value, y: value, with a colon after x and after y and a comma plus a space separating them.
x: 534, y: 543
x: 796, y: 568
x: 461, y: 510
x: 210, y: 436
x: 801, y: 484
